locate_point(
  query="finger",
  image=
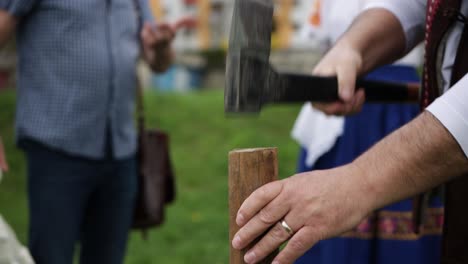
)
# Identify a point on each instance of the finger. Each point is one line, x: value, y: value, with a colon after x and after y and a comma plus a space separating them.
x: 156, y: 35
x: 337, y: 108
x: 344, y: 108
x: 275, y: 237
x: 149, y: 27
x: 334, y: 108
x: 260, y: 223
x: 360, y: 100
x: 323, y: 71
x: 166, y: 31
x: 325, y: 108
x: 348, y: 107
x: 162, y: 38
x: 257, y: 200
x: 302, y: 241
x: 270, y: 242
x: 148, y: 35
x: 356, y: 103
x: 346, y: 82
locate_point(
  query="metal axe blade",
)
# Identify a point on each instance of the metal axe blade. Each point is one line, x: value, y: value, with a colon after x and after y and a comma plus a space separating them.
x: 248, y: 54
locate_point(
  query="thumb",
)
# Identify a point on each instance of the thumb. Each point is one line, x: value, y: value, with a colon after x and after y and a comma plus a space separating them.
x: 347, y: 76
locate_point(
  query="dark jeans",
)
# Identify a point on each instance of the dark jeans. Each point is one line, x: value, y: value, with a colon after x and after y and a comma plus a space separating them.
x: 78, y: 200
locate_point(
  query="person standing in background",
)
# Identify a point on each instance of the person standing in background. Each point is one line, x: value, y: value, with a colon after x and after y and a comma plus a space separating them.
x: 75, y: 119
x: 387, y: 236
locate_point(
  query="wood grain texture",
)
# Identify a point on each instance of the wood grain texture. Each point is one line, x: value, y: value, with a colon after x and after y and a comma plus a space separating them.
x: 249, y: 169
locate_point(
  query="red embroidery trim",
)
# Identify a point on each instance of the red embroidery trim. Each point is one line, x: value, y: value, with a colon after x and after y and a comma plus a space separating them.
x: 398, y: 226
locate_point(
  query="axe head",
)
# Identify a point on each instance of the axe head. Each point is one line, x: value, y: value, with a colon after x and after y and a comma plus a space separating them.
x: 247, y: 65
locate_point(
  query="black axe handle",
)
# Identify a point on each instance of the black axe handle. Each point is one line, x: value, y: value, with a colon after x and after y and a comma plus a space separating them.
x: 300, y: 88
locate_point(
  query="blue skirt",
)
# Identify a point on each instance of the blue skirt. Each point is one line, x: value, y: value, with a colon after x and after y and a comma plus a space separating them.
x: 387, y: 236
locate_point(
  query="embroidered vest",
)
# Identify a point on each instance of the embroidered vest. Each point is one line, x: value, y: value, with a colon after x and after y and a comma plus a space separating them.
x: 441, y: 17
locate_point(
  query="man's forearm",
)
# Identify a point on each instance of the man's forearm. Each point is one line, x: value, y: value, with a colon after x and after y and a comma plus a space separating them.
x: 416, y: 158
x: 323, y: 204
x: 7, y: 26
x: 377, y: 36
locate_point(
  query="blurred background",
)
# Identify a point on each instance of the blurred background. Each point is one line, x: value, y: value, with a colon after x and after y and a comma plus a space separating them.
x: 187, y: 102
x: 201, y: 49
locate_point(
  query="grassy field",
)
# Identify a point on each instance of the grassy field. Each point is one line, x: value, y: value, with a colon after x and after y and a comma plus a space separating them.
x: 196, y: 230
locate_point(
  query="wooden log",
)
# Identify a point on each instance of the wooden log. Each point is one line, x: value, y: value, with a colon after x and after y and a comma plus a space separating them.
x: 249, y: 169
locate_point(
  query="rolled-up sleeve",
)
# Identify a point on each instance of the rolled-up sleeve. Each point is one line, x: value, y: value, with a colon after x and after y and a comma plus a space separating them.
x: 451, y: 110
x: 17, y: 8
x: 410, y: 13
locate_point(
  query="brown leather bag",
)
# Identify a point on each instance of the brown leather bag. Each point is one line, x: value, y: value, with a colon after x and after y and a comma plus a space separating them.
x: 155, y: 175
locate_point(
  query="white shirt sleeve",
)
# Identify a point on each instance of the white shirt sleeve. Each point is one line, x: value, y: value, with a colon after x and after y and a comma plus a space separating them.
x: 452, y: 111
x: 410, y: 13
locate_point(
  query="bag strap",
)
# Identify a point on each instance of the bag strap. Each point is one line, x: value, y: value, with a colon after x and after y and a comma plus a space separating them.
x: 140, y: 108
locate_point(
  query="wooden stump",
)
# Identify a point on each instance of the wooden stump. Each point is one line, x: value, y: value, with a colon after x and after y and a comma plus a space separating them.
x: 249, y: 169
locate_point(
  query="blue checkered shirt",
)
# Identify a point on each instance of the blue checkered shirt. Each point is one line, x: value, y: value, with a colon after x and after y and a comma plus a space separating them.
x: 76, y: 74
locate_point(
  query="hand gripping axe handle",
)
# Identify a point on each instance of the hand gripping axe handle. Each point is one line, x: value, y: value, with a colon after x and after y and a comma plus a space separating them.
x: 252, y: 82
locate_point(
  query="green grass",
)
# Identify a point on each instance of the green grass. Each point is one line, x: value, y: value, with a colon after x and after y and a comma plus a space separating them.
x: 196, y: 230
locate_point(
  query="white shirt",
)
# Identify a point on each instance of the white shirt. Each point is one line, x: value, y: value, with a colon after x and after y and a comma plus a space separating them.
x: 451, y: 108
x: 336, y: 16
